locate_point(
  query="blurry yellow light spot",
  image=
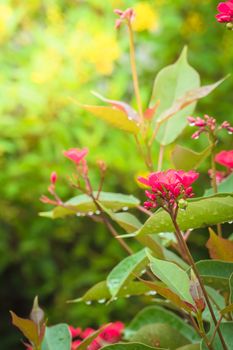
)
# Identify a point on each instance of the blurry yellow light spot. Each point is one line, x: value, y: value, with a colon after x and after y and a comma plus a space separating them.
x: 146, y: 17
x: 47, y: 66
x: 194, y: 23
x: 5, y: 17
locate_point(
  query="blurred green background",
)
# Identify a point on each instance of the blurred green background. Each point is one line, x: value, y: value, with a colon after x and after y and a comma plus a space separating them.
x: 52, y: 50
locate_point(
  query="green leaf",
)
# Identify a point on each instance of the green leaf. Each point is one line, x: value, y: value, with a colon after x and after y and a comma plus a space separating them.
x: 130, y: 346
x: 173, y: 276
x: 227, y: 331
x: 172, y: 83
x: 200, y: 212
x: 113, y: 115
x: 219, y: 248
x: 215, y: 273
x: 155, y: 314
x: 83, y: 204
x: 125, y: 271
x: 186, y: 159
x: 27, y: 327
x: 101, y: 293
x: 165, y: 292
x: 227, y: 309
x: 57, y: 338
x: 190, y: 347
x: 225, y: 186
x: 160, y: 334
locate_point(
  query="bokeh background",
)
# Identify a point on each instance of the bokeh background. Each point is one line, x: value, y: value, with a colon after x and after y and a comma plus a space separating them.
x: 55, y: 49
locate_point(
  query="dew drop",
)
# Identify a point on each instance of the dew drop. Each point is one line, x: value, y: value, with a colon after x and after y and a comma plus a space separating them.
x: 97, y: 212
x: 78, y: 214
x: 230, y: 132
x: 101, y: 301
x: 90, y: 213
x: 152, y: 292
x: 125, y: 208
x: 88, y: 302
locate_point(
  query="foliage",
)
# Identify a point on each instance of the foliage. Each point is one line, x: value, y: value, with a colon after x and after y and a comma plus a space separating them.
x: 51, y: 52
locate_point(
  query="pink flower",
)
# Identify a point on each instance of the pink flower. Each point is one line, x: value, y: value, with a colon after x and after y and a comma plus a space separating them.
x: 168, y: 187
x: 128, y: 15
x: 226, y: 12
x: 75, y: 332
x: 75, y: 344
x: 220, y: 175
x: 76, y: 155
x: 53, y: 177
x: 225, y: 158
x: 112, y: 333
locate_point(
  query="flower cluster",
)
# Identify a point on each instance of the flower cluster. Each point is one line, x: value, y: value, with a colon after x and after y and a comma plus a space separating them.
x: 225, y: 158
x: 208, y: 125
x: 110, y: 335
x: 128, y: 15
x: 168, y: 187
x: 225, y: 14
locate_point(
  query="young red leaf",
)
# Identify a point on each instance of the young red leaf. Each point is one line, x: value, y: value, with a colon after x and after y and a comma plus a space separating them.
x: 27, y: 327
x: 219, y: 248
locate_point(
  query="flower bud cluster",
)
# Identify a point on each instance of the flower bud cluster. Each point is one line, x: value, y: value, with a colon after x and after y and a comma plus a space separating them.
x: 208, y: 125
x: 167, y: 188
x: 225, y: 14
x: 128, y: 15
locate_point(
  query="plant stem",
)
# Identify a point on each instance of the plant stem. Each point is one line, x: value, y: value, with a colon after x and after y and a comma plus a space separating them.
x: 192, y: 264
x: 134, y: 71
x: 215, y: 330
x: 202, y: 330
x: 214, y: 184
x: 160, y: 160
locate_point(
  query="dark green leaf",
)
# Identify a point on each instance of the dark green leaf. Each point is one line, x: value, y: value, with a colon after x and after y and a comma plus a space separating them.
x: 186, y: 159
x: 130, y: 346
x: 125, y: 271
x: 215, y: 273
x: 83, y: 204
x: 101, y: 293
x: 155, y: 314
x: 200, y: 212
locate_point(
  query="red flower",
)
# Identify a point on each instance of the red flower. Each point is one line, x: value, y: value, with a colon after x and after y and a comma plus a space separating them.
x: 75, y: 154
x: 75, y: 332
x: 226, y: 12
x: 112, y: 333
x: 53, y: 177
x: 167, y: 187
x: 225, y: 158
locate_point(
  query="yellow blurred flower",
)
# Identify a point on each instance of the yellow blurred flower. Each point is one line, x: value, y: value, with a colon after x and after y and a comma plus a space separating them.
x: 194, y: 23
x: 46, y: 66
x: 5, y: 19
x: 146, y: 17
x: 98, y: 49
x: 103, y: 52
